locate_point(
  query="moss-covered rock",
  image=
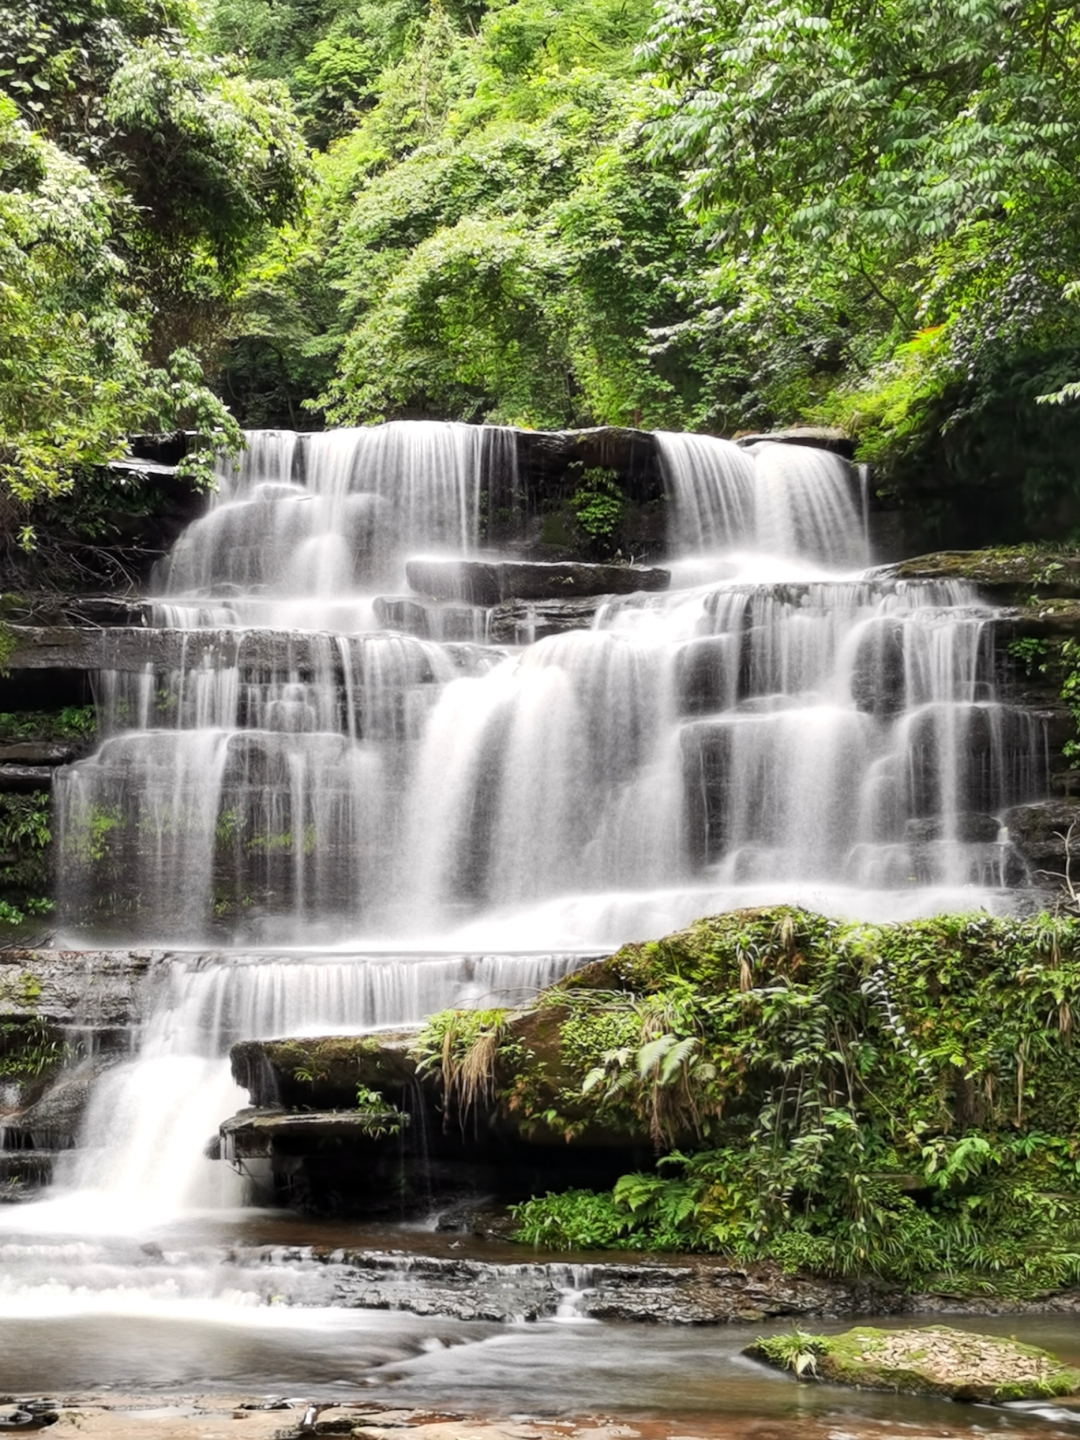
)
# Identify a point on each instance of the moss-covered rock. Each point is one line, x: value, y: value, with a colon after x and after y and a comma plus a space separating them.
x: 1011, y: 573
x: 930, y: 1360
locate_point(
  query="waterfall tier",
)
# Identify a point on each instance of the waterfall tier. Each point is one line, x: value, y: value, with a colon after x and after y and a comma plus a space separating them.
x: 815, y: 734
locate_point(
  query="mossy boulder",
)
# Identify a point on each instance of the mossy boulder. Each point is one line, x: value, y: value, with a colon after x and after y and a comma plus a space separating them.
x: 1010, y: 573
x: 930, y: 1360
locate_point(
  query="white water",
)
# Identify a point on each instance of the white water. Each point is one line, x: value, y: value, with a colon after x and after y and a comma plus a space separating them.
x: 775, y: 728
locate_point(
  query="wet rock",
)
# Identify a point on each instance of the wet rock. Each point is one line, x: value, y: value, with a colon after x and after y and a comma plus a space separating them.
x: 934, y: 1360
x: 818, y: 437
x: 878, y: 680
x: 1038, y: 832
x: 970, y: 827
x: 690, y: 1292
x: 98, y: 990
x: 488, y: 583
x: 15, y: 779
x: 704, y: 673
x: 270, y: 1069
x: 521, y: 622
x: 1008, y: 573
x: 37, y: 753
x: 431, y: 619
x: 23, y: 1174
x: 52, y: 1121
x: 260, y: 1134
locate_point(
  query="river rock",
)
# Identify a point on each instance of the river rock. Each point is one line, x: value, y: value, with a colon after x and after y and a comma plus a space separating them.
x: 932, y: 1360
x: 487, y: 583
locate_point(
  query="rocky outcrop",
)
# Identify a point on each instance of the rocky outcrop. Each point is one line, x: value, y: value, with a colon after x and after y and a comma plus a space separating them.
x: 65, y: 1016
x: 817, y: 437
x: 263, y: 1134
x: 322, y: 1154
x: 80, y: 989
x: 686, y: 1292
x: 514, y: 622
x: 324, y: 1071
x: 488, y: 583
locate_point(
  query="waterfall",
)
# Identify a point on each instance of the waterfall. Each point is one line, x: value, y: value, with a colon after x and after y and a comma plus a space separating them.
x: 149, y: 1120
x: 781, y: 500
x: 291, y: 775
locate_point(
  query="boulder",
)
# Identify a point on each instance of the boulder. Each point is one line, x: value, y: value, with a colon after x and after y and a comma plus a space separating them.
x: 487, y: 583
x: 1038, y: 832
x: 930, y: 1360
x: 52, y: 1122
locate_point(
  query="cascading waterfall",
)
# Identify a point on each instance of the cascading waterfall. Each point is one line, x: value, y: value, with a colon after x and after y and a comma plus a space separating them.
x: 149, y: 1120
x: 781, y: 500
x: 784, y: 733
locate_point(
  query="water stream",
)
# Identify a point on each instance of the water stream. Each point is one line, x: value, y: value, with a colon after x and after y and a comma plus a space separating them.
x: 347, y: 828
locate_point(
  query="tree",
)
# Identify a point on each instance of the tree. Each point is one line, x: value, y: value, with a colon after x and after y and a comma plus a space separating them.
x: 136, y: 175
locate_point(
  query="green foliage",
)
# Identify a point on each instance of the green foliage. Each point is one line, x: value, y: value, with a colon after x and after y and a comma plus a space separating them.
x: 598, y: 505
x: 29, y: 1049
x: 87, y: 840
x: 797, y: 1351
x: 488, y: 242
x: 895, y: 1100
x: 463, y: 1048
x: 35, y: 905
x: 24, y: 821
x: 1029, y: 651
x: 1070, y: 693
x: 73, y: 722
x: 889, y: 193
x: 8, y: 643
x: 135, y: 175
x: 572, y: 1220
x: 382, y: 1117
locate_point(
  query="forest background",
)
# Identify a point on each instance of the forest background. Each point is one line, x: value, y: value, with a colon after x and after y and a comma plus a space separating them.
x: 696, y: 214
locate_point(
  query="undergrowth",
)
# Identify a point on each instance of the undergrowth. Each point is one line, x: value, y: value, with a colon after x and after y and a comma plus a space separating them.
x: 897, y: 1101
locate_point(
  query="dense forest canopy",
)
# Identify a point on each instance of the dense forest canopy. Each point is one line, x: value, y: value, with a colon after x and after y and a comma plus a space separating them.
x: 692, y: 214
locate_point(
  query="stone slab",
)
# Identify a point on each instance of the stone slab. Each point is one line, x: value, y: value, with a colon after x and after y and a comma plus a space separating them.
x: 488, y: 583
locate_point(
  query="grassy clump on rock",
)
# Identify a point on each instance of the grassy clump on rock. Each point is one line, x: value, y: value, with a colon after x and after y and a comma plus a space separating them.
x: 893, y: 1101
x: 931, y: 1360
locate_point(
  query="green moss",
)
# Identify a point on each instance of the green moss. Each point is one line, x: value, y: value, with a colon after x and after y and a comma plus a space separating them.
x: 1022, y: 571
x: 891, y: 1100
x: 931, y: 1360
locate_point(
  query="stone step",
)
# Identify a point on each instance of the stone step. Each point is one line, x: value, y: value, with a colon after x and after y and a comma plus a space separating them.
x: 488, y: 583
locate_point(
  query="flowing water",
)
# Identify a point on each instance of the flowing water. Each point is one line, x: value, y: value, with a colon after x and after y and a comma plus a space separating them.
x: 369, y: 826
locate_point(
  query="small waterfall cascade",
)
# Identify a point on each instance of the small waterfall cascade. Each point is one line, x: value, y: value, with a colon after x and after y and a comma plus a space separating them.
x: 296, y: 776
x: 302, y: 526
x: 148, y: 1120
x: 779, y: 500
